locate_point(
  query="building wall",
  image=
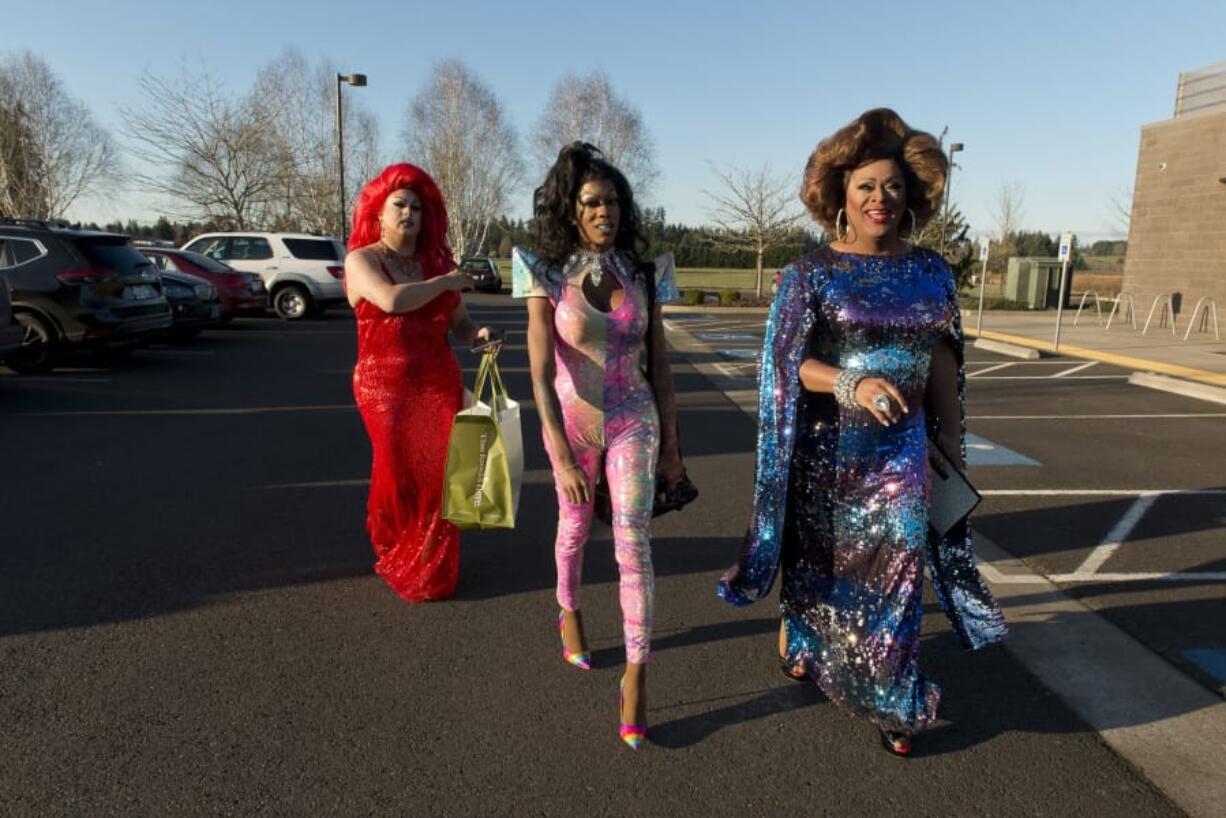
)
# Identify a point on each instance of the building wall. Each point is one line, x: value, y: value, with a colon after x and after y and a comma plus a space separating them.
x: 1177, y: 236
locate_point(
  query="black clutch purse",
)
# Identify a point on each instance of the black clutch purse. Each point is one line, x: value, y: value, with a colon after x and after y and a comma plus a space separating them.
x: 666, y: 499
x: 952, y: 495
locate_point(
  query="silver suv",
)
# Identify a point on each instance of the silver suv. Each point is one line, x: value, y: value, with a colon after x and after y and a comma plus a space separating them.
x: 303, y: 273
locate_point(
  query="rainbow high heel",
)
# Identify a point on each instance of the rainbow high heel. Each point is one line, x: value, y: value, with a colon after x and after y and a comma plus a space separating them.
x: 579, y: 658
x: 633, y: 734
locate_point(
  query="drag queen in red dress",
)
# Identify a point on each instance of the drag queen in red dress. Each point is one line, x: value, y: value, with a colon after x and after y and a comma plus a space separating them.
x: 402, y: 285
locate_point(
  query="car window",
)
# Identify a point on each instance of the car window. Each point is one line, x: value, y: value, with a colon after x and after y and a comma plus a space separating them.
x: 18, y: 251
x: 315, y: 249
x: 214, y: 247
x: 205, y: 263
x: 164, y: 263
x: 474, y: 267
x: 249, y: 248
x: 113, y: 254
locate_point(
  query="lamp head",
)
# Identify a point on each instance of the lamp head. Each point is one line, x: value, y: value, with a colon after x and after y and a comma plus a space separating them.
x: 955, y: 147
x: 356, y: 80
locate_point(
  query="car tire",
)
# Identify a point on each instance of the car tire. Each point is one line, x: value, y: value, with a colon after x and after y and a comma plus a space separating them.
x: 292, y: 302
x: 39, y: 346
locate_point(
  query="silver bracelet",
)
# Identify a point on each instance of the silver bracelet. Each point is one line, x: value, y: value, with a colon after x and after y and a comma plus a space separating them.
x: 845, y: 384
x: 561, y: 472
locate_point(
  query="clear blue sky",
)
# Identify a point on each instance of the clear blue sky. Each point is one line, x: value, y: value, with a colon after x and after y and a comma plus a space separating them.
x: 1051, y: 94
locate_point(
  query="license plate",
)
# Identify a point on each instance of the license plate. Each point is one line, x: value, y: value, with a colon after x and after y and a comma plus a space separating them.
x: 140, y: 292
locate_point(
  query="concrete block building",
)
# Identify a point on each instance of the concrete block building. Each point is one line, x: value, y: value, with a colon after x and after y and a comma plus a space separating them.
x: 1177, y: 235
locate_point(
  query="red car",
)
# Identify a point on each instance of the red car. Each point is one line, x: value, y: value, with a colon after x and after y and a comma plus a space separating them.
x: 240, y: 293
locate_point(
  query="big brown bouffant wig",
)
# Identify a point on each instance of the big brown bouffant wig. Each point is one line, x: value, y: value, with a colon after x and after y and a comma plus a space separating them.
x: 876, y: 134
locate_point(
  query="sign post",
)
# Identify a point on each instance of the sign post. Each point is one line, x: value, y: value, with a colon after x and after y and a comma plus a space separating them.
x: 1066, y: 252
x: 983, y: 281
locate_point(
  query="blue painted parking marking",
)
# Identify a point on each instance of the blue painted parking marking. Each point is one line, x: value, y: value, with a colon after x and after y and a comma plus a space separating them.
x: 983, y: 452
x: 1210, y: 660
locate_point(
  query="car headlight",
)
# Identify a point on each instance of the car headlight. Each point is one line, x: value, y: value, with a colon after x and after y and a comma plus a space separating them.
x: 206, y: 292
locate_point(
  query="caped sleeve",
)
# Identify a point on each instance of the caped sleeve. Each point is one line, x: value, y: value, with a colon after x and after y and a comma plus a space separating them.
x: 666, y: 279
x: 527, y: 275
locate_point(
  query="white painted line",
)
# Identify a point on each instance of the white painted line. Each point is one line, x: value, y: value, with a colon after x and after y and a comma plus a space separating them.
x: 1176, y: 576
x: 1101, y: 492
x: 1116, y: 536
x: 1077, y: 368
x: 1048, y: 377
x: 247, y: 410
x: 980, y: 372
x: 1170, y: 416
x: 55, y: 379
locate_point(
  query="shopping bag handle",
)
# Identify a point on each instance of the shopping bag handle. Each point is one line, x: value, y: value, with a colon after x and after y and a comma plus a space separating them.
x: 487, y: 372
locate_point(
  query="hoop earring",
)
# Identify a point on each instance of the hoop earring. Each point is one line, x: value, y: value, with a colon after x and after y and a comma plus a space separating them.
x: 911, y: 232
x: 839, y: 230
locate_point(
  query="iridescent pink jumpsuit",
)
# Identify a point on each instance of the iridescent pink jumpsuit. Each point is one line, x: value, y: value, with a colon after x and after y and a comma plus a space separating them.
x: 607, y: 408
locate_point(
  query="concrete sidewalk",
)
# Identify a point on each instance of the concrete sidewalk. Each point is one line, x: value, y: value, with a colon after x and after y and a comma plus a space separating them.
x: 1201, y: 358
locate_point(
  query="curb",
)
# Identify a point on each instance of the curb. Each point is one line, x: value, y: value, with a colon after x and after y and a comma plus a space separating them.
x: 1147, y: 711
x: 1006, y: 348
x: 1127, y: 362
x: 1189, y: 389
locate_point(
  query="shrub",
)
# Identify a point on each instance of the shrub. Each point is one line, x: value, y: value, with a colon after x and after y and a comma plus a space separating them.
x: 692, y: 298
x: 729, y: 297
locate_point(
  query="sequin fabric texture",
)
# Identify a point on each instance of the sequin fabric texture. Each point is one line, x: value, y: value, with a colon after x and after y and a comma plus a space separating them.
x: 608, y: 409
x: 840, y: 502
x: 407, y: 386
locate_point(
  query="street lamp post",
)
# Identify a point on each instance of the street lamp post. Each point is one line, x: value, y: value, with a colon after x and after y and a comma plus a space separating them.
x: 357, y: 81
x: 954, y: 147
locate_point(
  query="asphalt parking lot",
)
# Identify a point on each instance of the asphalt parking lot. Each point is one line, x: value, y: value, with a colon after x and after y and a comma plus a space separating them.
x: 189, y: 624
x: 1115, y: 492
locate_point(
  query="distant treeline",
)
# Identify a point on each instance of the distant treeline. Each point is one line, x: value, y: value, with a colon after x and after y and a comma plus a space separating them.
x: 692, y: 246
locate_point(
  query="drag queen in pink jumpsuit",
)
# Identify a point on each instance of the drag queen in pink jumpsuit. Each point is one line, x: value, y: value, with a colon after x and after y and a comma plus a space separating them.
x: 588, y: 299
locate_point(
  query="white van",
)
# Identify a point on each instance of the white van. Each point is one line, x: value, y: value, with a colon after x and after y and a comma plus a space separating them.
x: 303, y: 273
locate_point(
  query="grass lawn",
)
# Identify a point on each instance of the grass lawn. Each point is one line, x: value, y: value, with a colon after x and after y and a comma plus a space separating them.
x: 692, y: 277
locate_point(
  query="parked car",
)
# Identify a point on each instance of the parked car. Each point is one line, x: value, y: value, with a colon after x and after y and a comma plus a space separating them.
x: 303, y: 273
x: 194, y: 302
x: 240, y: 293
x: 76, y: 287
x: 11, y: 333
x: 484, y: 272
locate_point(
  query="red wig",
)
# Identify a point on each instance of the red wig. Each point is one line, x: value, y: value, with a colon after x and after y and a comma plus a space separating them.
x: 432, y: 249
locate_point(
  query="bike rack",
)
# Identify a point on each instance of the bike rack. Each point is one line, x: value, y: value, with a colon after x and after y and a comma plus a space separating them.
x: 1097, y: 307
x: 1168, y: 308
x: 1208, y: 303
x: 1132, y: 310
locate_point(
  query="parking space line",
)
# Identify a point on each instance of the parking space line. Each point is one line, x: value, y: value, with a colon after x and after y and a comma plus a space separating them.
x: 1101, y: 492
x: 243, y: 410
x: 1048, y: 377
x: 1119, y: 532
x: 1077, y: 368
x: 1166, y: 416
x: 980, y: 372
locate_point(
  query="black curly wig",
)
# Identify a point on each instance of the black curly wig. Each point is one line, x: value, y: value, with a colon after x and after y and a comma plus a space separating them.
x: 553, y: 204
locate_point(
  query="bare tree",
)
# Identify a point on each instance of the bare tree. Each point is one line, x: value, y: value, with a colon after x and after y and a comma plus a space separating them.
x: 457, y: 131
x: 303, y: 137
x: 587, y: 109
x: 51, y: 150
x: 216, y: 151
x: 755, y: 210
x: 1007, y: 213
x: 1121, y: 209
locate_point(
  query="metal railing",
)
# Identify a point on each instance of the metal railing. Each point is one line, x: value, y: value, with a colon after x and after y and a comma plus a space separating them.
x: 1168, y: 308
x: 1132, y: 310
x: 1081, y: 305
x: 1208, y: 304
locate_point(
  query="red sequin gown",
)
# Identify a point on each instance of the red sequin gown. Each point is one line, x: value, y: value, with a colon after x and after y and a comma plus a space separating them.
x: 408, y: 390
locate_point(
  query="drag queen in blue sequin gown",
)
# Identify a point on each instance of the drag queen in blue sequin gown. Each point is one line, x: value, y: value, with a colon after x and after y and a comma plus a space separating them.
x: 842, y: 487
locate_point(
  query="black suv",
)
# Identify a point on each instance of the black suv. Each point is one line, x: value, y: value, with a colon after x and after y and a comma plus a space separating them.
x: 76, y: 287
x: 484, y: 273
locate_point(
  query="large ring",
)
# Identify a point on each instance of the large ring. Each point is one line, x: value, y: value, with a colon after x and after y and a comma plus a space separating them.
x: 882, y: 403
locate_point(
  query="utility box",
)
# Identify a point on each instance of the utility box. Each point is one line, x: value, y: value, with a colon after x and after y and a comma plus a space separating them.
x: 1033, y: 282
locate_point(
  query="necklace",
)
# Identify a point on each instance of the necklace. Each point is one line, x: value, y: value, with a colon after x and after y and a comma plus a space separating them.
x: 591, y: 263
x: 407, y: 265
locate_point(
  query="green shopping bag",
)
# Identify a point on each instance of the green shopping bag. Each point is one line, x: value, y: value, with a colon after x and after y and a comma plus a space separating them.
x: 478, y: 491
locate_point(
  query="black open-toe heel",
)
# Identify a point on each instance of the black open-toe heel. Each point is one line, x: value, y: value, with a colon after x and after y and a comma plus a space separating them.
x: 793, y: 672
x: 898, y: 744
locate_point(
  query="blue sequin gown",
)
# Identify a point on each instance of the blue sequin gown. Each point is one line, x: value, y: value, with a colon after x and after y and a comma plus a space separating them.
x: 840, y: 502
